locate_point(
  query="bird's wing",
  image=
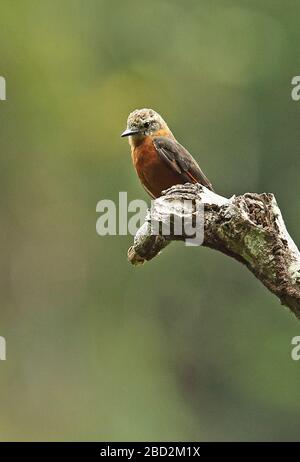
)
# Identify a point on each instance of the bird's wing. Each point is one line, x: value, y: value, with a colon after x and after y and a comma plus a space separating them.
x: 180, y: 160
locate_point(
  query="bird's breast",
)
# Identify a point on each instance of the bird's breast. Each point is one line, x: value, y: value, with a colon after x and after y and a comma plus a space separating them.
x: 145, y: 159
x: 152, y: 170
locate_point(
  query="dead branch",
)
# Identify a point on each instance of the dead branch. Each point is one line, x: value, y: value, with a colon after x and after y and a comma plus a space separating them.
x: 249, y: 228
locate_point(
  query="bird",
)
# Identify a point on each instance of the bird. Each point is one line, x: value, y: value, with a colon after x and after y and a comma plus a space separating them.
x: 159, y: 160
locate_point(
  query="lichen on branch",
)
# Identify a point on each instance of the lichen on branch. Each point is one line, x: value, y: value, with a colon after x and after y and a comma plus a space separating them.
x: 249, y: 228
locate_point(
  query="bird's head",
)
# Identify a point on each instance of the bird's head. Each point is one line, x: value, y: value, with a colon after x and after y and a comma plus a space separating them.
x: 144, y: 122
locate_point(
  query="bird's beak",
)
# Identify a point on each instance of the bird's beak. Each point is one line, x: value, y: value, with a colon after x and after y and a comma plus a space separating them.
x: 129, y: 132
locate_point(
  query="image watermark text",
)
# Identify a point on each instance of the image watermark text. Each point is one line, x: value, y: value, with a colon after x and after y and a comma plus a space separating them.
x: 2, y: 349
x: 125, y: 218
x: 2, y: 89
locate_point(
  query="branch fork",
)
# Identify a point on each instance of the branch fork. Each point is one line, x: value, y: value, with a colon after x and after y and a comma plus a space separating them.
x: 249, y: 228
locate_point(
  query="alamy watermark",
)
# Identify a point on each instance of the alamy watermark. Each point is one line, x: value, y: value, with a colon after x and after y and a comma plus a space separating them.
x: 295, y: 93
x: 126, y: 218
x: 2, y: 349
x: 295, y: 353
x: 2, y: 339
x: 2, y: 89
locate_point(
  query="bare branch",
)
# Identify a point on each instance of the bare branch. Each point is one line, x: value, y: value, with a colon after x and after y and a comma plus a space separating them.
x: 249, y: 228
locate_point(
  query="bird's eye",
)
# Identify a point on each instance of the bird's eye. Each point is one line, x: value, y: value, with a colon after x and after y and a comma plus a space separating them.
x: 147, y: 124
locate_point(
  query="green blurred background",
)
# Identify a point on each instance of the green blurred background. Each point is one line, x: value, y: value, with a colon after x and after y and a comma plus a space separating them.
x: 190, y: 346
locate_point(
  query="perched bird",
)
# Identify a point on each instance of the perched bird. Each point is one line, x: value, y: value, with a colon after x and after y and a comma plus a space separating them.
x: 160, y: 161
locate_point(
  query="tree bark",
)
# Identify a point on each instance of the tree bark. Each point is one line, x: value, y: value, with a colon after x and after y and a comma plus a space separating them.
x: 249, y: 228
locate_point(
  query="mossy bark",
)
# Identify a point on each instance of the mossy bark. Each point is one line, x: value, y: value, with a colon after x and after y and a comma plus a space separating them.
x: 249, y: 228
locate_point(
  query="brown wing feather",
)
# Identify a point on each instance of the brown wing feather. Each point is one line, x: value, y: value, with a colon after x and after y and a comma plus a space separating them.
x: 178, y: 158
